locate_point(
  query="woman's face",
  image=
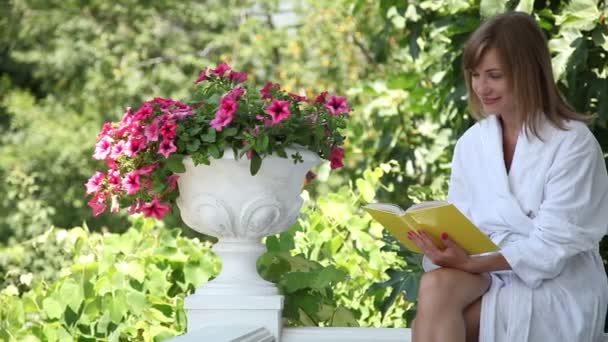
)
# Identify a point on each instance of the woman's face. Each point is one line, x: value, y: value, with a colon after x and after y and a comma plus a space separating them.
x: 491, y: 86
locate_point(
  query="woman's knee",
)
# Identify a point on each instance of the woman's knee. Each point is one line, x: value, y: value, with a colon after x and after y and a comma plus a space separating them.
x: 450, y: 286
x: 436, y: 285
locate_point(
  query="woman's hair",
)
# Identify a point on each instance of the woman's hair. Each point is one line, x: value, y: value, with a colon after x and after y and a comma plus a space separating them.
x: 523, y: 52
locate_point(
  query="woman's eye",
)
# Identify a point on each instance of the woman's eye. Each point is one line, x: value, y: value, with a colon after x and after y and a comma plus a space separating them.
x: 495, y: 76
x: 474, y: 75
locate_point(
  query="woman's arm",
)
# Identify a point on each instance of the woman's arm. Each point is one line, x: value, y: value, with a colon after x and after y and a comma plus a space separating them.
x: 453, y: 256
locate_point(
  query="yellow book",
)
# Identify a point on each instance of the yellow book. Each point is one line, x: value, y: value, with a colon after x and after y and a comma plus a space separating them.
x: 434, y: 218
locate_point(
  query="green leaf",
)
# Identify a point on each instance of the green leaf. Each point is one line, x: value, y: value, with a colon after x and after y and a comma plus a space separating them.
x: 72, y: 294
x: 52, y: 308
x: 214, y: 151
x: 344, y: 317
x: 193, y: 146
x: 210, y: 137
x: 137, y: 302
x: 488, y: 8
x: 175, y: 163
x: 256, y: 163
x: 231, y: 131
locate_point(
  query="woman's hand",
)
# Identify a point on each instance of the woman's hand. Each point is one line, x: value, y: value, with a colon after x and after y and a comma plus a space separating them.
x: 453, y: 256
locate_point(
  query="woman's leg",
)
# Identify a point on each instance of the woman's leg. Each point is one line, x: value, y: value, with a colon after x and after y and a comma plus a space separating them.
x: 472, y: 316
x: 443, y: 296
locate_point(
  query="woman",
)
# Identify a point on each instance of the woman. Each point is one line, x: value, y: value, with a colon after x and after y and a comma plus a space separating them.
x: 532, y: 176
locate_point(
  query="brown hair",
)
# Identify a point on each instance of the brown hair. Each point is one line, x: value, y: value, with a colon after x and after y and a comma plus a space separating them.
x: 523, y: 51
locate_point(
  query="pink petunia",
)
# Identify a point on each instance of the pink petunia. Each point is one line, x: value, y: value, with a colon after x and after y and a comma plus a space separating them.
x: 166, y: 148
x: 337, y: 157
x: 322, y: 98
x: 337, y: 105
x: 155, y: 208
x: 238, y: 77
x: 133, y: 146
x: 114, y: 180
x: 131, y: 183
x: 172, y: 182
x: 224, y: 115
x: 278, y: 110
x: 267, y: 89
x: 221, y: 120
x: 94, y: 183
x: 267, y: 122
x: 98, y: 203
x: 220, y: 70
x: 151, y: 131
x: 235, y: 94
x: 203, y: 76
x: 168, y: 130
x: 118, y: 150
x: 298, y: 98
x: 105, y: 130
x: 143, y: 112
x: 103, y: 148
x: 146, y: 170
x: 135, y: 208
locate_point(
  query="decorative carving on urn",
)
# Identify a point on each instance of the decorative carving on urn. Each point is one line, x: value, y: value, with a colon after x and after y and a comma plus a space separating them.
x: 224, y: 200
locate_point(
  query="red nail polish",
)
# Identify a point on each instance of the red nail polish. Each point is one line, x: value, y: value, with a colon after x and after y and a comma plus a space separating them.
x: 444, y: 236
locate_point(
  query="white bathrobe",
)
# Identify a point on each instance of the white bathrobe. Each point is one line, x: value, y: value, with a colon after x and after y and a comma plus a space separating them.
x: 548, y: 214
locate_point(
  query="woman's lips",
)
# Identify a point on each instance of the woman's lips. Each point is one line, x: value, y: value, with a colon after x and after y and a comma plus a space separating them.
x: 490, y: 100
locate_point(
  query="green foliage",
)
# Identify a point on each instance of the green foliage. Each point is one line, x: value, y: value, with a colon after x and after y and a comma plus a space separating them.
x: 104, y: 286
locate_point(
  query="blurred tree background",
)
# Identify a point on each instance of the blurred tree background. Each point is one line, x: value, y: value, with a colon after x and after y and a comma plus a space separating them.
x: 68, y: 66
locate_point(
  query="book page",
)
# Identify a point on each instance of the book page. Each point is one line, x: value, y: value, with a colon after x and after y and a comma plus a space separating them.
x: 388, y: 207
x: 427, y: 204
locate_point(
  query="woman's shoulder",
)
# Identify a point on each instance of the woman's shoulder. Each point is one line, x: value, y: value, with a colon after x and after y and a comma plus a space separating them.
x: 574, y: 132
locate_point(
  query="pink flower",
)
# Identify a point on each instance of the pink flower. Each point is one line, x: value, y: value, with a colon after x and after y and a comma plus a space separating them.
x: 166, y: 148
x: 103, y: 148
x: 238, y: 77
x: 224, y: 115
x: 131, y: 183
x: 220, y: 121
x: 220, y: 70
x: 267, y: 122
x: 321, y: 98
x: 98, y: 203
x: 202, y: 76
x: 168, y: 130
x: 278, y: 110
x: 105, y: 130
x: 298, y: 98
x: 118, y: 150
x: 146, y: 170
x: 336, y: 158
x: 267, y: 89
x: 135, y: 207
x: 114, y: 180
x: 235, y: 94
x: 337, y: 105
x: 155, y: 209
x: 172, y: 182
x: 143, y: 112
x: 151, y: 131
x: 133, y: 146
x: 94, y: 183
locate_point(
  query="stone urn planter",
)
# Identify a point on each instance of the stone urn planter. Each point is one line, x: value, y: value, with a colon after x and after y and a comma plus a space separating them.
x: 224, y: 200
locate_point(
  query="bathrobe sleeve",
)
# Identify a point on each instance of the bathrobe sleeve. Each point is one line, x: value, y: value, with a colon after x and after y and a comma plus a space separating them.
x: 458, y: 193
x: 572, y: 217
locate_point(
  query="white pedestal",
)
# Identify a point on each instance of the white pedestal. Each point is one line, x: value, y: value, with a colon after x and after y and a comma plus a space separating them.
x: 256, y: 311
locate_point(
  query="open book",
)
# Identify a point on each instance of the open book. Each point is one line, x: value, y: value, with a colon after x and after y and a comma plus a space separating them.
x: 435, y: 218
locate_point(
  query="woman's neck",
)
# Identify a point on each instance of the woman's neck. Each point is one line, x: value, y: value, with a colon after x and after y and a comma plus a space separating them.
x: 510, y: 127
